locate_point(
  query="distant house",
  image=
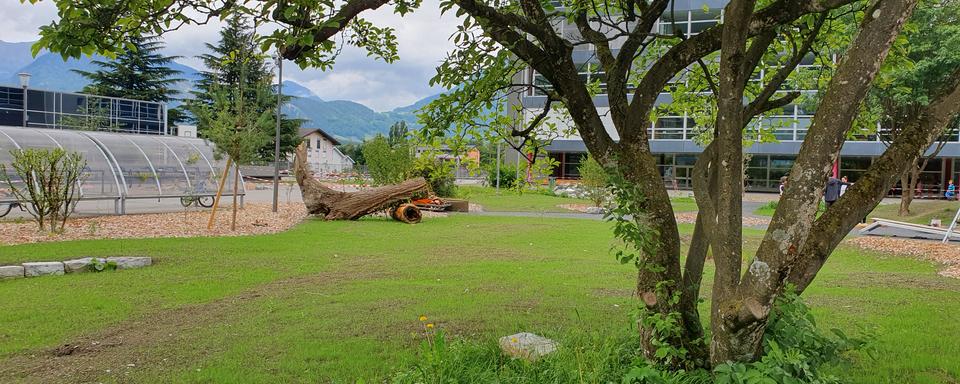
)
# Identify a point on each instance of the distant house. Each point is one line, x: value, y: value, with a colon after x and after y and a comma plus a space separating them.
x: 444, y: 152
x: 322, y: 154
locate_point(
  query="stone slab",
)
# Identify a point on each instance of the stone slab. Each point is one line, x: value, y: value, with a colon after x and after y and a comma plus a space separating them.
x: 131, y: 262
x: 11, y: 272
x: 527, y: 346
x: 42, y: 268
x: 78, y: 265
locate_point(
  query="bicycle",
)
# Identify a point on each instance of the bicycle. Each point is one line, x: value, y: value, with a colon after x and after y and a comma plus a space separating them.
x: 205, y: 201
x: 10, y: 207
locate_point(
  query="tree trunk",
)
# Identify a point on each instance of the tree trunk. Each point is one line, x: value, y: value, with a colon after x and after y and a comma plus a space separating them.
x: 908, y: 182
x: 236, y: 185
x: 335, y: 205
x: 741, y: 320
x: 868, y: 191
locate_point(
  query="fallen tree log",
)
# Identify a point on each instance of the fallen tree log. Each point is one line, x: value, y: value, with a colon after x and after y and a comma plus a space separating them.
x: 407, y: 213
x: 335, y: 205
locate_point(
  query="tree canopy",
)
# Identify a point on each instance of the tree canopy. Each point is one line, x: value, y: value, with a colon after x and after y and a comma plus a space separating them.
x: 237, y: 69
x: 305, y: 29
x: 139, y: 72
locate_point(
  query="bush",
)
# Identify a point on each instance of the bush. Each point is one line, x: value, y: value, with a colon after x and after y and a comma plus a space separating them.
x: 594, y: 180
x: 508, y: 175
x: 438, y: 173
x: 387, y: 164
x: 47, y: 182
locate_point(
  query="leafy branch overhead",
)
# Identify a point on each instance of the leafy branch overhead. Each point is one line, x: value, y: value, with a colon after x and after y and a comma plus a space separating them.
x: 308, y: 32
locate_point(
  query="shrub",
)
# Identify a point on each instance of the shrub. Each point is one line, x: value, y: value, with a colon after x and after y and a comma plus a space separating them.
x: 438, y: 173
x: 594, y: 180
x: 387, y: 164
x: 47, y: 182
x: 508, y: 175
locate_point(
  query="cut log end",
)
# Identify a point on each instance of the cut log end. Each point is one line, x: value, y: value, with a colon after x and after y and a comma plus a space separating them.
x: 407, y: 213
x: 649, y: 298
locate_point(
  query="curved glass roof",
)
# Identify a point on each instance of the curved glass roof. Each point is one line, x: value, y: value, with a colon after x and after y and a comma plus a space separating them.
x: 126, y: 165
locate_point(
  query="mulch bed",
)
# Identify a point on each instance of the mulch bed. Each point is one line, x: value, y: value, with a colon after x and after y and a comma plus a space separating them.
x: 253, y: 219
x: 947, y: 255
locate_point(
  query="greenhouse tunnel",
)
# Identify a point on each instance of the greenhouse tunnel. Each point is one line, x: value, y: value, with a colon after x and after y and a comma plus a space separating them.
x: 122, y: 167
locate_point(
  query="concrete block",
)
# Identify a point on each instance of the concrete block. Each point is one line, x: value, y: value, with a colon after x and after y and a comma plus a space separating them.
x: 42, y: 268
x: 79, y: 265
x: 128, y: 262
x: 11, y: 272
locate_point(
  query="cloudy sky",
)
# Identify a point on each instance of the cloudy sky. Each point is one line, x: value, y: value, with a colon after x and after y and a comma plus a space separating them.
x: 422, y: 36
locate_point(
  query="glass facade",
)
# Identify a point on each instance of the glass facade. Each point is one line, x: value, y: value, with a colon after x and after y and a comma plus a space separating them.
x: 64, y: 110
x: 124, y: 166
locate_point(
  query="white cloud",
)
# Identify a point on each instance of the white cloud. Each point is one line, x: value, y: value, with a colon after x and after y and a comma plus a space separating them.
x: 422, y: 38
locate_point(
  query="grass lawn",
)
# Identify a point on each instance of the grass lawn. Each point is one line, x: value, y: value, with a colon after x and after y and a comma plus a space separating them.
x: 511, y: 201
x: 921, y: 211
x: 337, y: 301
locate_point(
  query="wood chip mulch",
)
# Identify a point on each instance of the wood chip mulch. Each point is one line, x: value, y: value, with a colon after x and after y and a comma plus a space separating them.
x: 253, y: 219
x: 691, y: 218
x: 947, y: 255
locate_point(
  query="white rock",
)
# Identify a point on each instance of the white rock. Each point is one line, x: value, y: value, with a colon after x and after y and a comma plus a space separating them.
x: 42, y: 268
x: 527, y: 346
x: 594, y: 210
x: 131, y: 262
x: 78, y: 265
x: 11, y: 272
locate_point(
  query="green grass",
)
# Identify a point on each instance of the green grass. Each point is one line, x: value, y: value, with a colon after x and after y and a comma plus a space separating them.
x: 921, y: 211
x: 532, y: 201
x: 336, y: 301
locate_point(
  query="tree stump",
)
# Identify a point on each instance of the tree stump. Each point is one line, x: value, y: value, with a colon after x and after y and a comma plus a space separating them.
x: 335, y: 205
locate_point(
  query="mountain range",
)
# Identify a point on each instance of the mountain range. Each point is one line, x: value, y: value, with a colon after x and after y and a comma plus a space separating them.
x: 344, y: 119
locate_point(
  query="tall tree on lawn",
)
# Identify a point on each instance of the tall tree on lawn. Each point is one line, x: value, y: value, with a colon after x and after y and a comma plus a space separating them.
x: 746, y: 67
x: 140, y: 72
x: 236, y: 62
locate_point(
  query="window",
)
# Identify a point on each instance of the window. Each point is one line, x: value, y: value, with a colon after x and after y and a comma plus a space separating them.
x: 124, y: 108
x: 668, y: 128
x: 571, y: 164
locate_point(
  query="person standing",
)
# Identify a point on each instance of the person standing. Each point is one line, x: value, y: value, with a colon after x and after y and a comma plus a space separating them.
x: 832, y: 193
x: 783, y: 184
x: 951, y: 190
x: 843, y: 185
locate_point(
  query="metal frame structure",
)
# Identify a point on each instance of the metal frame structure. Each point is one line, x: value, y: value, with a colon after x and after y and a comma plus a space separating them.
x: 49, y: 111
x: 122, y: 167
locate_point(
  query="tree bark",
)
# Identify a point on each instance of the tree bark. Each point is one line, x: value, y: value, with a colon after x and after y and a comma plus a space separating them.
x: 908, y: 184
x: 743, y: 317
x: 336, y: 205
x: 867, y: 192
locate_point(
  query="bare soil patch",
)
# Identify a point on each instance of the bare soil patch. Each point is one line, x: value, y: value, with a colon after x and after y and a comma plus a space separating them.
x: 947, y: 255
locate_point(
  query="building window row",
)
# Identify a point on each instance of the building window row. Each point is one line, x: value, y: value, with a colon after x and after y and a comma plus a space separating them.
x: 47, y: 109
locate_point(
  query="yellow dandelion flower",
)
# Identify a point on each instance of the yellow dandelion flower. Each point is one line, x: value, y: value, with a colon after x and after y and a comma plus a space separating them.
x: 423, y: 318
x: 514, y: 340
x: 429, y: 325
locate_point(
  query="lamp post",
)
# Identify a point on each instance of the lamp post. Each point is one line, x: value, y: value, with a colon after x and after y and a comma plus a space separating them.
x: 24, y: 83
x: 276, y: 138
